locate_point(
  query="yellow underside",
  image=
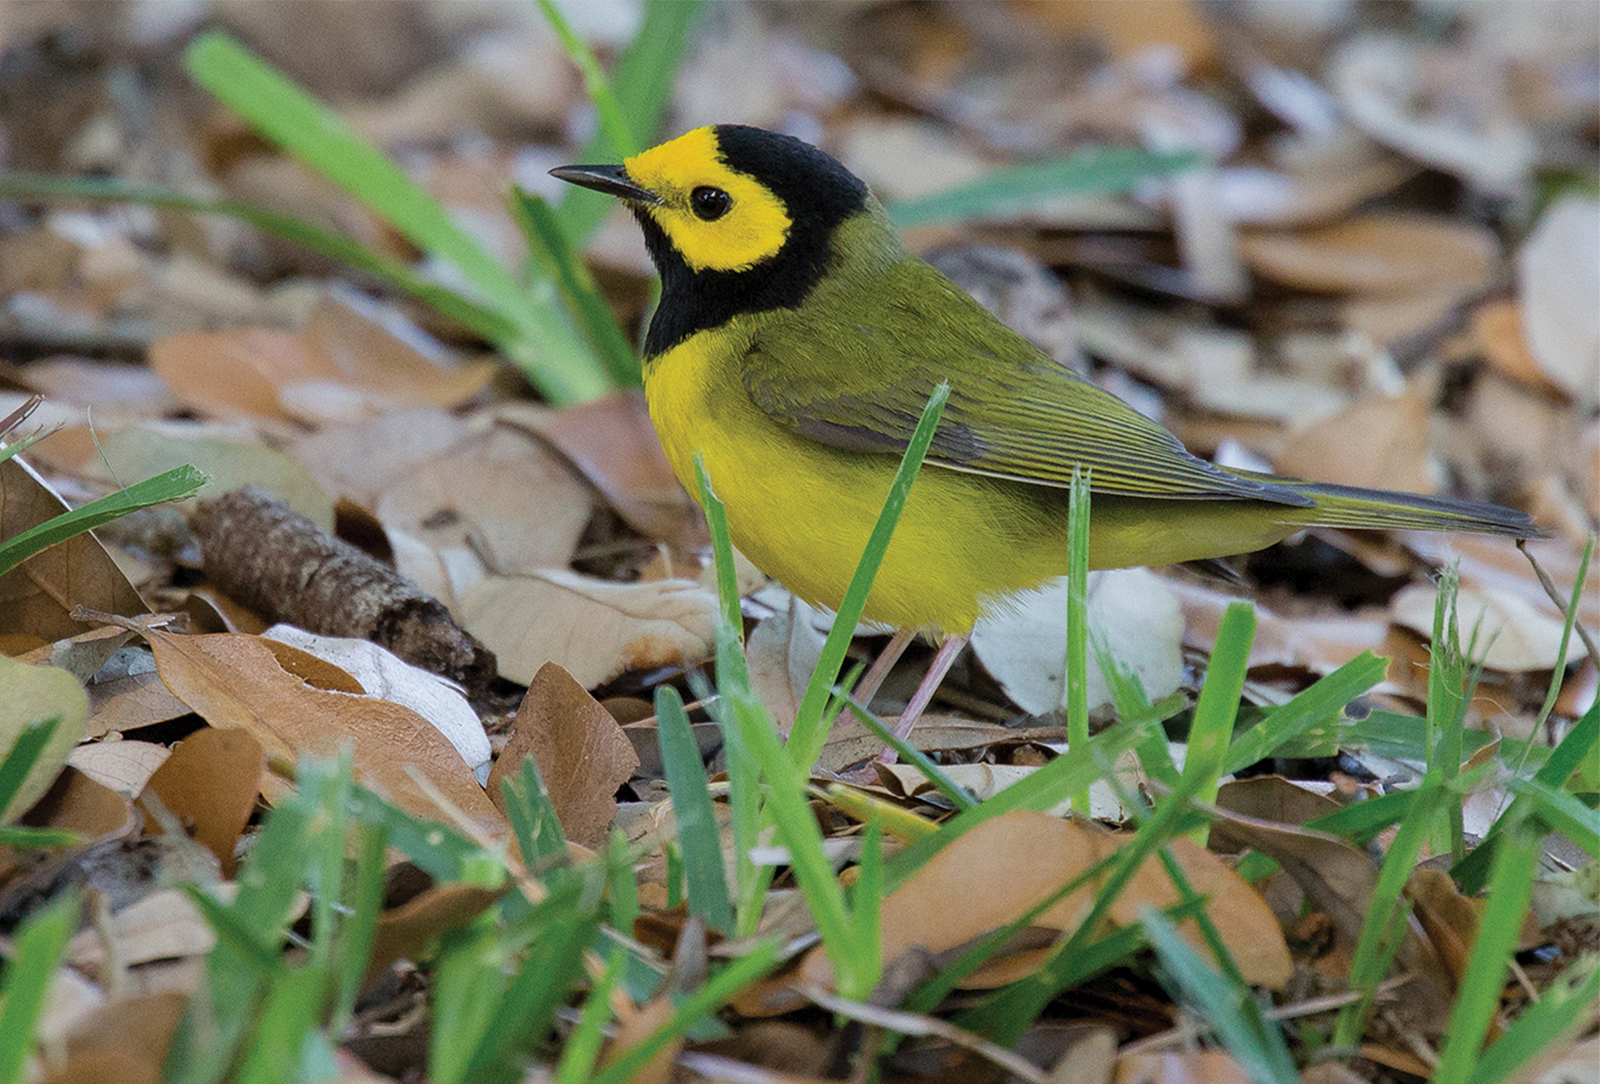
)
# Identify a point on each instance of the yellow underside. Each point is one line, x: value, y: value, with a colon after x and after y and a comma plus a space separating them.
x: 802, y: 511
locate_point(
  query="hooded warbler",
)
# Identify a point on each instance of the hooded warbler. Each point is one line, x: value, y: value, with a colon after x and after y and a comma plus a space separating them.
x: 796, y: 344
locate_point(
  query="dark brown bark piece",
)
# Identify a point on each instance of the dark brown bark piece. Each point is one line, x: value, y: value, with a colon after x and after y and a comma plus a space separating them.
x: 286, y: 568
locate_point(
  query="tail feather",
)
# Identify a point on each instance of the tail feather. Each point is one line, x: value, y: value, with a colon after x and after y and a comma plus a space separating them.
x: 1378, y: 509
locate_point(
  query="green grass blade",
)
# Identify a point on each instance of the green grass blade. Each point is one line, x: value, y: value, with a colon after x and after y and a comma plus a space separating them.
x: 1385, y: 923
x: 173, y: 485
x: 533, y: 818
x: 1562, y: 811
x: 35, y: 954
x: 612, y: 121
x: 1227, y: 1006
x: 1314, y: 704
x: 641, y: 84
x: 808, y: 735
x: 1077, y: 662
x: 1575, y: 750
x: 705, y: 882
x: 908, y: 753
x: 22, y: 756
x: 583, y: 1045
x: 545, y: 345
x: 549, y: 244
x: 1478, y: 996
x: 711, y: 996
x: 102, y: 190
x: 1214, y: 713
x: 1103, y: 169
x: 1558, y: 673
x: 1564, y: 1006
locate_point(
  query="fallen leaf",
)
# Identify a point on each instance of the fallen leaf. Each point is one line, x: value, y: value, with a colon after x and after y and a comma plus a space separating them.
x: 1007, y: 865
x: 781, y: 652
x: 1558, y: 279
x: 582, y: 753
x: 210, y: 784
x: 594, y: 629
x: 1378, y: 441
x: 358, y: 459
x: 35, y: 694
x: 1512, y: 633
x: 381, y: 674
x: 1186, y: 1067
x: 125, y: 1041
x: 1375, y: 253
x: 1131, y: 612
x: 231, y: 679
x: 352, y: 359
x: 500, y: 499
x: 407, y: 930
x: 162, y: 925
x: 36, y: 597
x: 1497, y: 331
x: 124, y: 766
x: 612, y: 442
x: 233, y: 458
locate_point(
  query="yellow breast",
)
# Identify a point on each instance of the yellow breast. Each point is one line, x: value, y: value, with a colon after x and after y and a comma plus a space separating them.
x: 802, y: 511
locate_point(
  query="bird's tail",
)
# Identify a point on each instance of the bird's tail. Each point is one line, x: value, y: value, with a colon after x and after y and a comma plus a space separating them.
x: 1379, y: 509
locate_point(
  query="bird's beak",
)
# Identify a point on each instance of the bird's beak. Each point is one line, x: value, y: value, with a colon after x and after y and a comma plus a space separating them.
x: 612, y: 180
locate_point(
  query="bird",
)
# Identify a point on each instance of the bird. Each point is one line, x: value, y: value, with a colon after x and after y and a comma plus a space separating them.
x: 794, y: 347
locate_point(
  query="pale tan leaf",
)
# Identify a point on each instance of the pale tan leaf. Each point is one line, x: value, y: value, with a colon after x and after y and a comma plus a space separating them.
x: 35, y: 694
x: 592, y: 628
x: 232, y: 679
x: 124, y: 766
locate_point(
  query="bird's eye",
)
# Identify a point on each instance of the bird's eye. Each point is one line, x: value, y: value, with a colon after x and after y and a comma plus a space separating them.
x: 709, y: 203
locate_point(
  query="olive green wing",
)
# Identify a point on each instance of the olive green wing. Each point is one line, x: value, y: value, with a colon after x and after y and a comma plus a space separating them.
x: 856, y: 374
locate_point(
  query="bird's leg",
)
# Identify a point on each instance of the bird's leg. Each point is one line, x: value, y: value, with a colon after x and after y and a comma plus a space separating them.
x: 949, y: 648
x: 873, y: 679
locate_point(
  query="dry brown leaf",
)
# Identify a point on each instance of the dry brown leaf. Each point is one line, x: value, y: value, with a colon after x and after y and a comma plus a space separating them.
x: 1005, y: 866
x: 210, y: 784
x: 613, y: 443
x: 849, y: 742
x: 345, y: 363
x: 1187, y: 1067
x: 1497, y: 330
x: 405, y: 931
x: 78, y: 804
x: 582, y: 753
x: 1162, y: 24
x: 593, y: 629
x: 1513, y: 634
x: 162, y: 925
x: 1379, y: 441
x: 634, y: 1026
x: 36, y: 597
x: 125, y: 1041
x: 358, y: 459
x: 1378, y: 253
x: 232, y: 679
x: 1558, y: 278
x: 501, y: 499
x: 781, y: 652
x: 124, y: 766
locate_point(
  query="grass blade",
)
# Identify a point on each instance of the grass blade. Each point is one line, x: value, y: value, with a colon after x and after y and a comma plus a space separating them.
x: 1096, y: 169
x: 641, y: 83
x: 545, y: 345
x: 549, y: 245
x: 173, y: 485
x: 1312, y: 705
x: 1076, y: 673
x: 35, y: 954
x: 705, y: 882
x: 1214, y: 713
x: 1564, y: 1006
x: 21, y: 757
x: 909, y: 753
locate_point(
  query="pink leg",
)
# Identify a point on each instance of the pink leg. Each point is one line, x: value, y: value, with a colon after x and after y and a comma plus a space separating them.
x: 946, y: 657
x: 873, y: 679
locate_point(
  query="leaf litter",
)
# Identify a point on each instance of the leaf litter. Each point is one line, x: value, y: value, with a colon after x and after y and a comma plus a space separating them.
x: 1406, y: 326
